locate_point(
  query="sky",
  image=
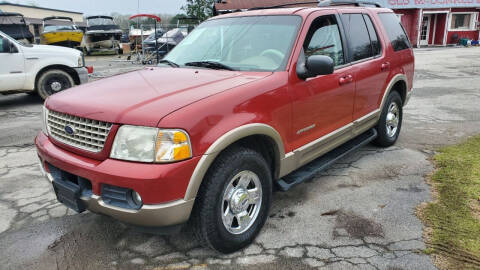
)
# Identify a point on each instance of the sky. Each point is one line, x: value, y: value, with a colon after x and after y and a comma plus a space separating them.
x: 106, y: 7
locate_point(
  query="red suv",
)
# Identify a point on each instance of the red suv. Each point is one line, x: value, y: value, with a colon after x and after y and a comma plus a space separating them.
x: 236, y: 109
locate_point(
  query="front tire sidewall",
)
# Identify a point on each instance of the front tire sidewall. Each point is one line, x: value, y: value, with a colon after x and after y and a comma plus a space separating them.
x: 214, y: 231
x: 383, y: 139
x: 42, y: 88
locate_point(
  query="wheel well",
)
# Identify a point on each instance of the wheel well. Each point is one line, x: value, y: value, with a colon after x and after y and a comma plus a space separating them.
x: 67, y: 69
x: 265, y: 146
x: 401, y: 88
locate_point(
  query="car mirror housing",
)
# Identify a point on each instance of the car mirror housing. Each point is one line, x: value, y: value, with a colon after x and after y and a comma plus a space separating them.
x: 314, y: 65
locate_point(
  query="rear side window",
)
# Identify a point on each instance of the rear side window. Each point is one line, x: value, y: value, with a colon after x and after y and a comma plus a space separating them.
x: 376, y: 47
x: 357, y: 36
x: 395, y: 31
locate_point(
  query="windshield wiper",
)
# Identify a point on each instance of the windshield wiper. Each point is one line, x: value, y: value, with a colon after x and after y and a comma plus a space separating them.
x: 209, y: 64
x: 168, y: 62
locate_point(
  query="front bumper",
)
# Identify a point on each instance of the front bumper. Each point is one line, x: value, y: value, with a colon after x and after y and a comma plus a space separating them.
x: 82, y: 73
x: 149, y: 184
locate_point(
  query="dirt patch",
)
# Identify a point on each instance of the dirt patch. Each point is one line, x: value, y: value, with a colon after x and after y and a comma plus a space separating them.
x: 356, y: 226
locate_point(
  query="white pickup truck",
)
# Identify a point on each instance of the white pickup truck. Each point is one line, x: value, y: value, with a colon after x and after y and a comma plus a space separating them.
x: 40, y: 69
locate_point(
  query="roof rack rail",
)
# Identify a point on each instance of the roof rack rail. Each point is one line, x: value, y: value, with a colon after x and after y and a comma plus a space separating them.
x: 358, y: 3
x: 285, y: 5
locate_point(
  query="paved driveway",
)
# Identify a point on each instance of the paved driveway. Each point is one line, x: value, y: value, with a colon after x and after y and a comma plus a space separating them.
x: 358, y: 214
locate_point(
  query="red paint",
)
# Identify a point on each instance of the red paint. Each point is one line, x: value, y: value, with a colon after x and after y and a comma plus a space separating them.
x: 461, y: 34
x: 440, y: 30
x: 209, y: 103
x: 156, y: 183
x: 410, y: 23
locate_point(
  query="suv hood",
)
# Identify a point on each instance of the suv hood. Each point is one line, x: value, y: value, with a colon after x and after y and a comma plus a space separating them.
x: 144, y: 97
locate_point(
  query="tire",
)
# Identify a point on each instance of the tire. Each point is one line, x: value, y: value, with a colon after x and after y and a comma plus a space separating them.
x: 213, y: 200
x: 53, y: 81
x: 387, y: 136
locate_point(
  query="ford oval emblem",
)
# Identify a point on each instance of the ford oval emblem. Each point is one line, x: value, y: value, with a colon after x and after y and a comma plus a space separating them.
x: 70, y: 130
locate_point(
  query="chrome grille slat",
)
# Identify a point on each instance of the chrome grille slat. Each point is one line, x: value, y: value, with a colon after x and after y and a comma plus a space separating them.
x: 90, y: 135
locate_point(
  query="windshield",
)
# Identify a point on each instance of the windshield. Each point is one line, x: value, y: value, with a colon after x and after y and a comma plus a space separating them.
x: 54, y: 28
x: 100, y: 21
x: 254, y: 43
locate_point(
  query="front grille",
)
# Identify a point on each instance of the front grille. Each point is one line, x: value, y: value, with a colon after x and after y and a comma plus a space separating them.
x: 86, y: 134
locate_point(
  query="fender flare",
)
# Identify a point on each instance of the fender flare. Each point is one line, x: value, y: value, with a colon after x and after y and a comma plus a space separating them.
x: 222, y: 143
x: 395, y: 79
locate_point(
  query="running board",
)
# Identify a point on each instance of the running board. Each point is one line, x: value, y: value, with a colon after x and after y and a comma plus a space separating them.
x: 311, y: 169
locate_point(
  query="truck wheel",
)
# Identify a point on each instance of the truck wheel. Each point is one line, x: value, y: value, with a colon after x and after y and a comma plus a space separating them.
x: 53, y: 81
x: 233, y: 202
x: 390, y: 122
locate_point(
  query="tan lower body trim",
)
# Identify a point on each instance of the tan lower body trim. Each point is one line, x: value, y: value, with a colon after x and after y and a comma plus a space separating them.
x: 172, y: 213
x: 301, y: 156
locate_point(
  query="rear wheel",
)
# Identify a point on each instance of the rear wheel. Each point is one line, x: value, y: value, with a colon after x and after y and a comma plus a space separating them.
x: 390, y: 122
x: 53, y: 81
x: 233, y: 202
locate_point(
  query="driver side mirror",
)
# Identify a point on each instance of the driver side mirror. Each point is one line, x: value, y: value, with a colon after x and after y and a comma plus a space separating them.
x: 315, y: 65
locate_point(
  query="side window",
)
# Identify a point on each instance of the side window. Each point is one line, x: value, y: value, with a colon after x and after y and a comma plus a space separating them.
x: 395, y: 31
x: 1, y: 45
x: 376, y: 47
x: 323, y: 38
x: 357, y: 36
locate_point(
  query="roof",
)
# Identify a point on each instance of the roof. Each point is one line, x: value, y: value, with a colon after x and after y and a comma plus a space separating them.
x: 28, y: 6
x: 248, y: 4
x: 99, y: 17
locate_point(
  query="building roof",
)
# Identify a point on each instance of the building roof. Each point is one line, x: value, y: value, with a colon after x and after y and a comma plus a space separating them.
x: 28, y: 6
x: 248, y: 4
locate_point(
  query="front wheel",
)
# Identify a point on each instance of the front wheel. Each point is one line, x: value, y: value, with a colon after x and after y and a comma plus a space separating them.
x: 53, y: 81
x: 390, y: 122
x: 233, y: 202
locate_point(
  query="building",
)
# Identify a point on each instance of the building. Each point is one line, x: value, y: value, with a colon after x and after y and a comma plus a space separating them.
x: 427, y: 22
x: 34, y: 15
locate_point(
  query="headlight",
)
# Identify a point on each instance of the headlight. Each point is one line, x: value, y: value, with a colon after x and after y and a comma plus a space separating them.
x: 81, y: 61
x: 146, y: 144
x: 45, y: 120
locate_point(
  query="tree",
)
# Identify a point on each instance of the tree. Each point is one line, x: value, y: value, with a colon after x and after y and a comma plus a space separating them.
x: 201, y: 9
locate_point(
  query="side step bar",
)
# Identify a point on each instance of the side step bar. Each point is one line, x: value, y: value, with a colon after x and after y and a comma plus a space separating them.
x: 311, y: 169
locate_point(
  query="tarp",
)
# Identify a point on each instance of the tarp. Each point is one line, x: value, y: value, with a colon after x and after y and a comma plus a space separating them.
x: 172, y: 37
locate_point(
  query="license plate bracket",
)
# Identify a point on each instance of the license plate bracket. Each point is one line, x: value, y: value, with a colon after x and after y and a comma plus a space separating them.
x: 69, y: 194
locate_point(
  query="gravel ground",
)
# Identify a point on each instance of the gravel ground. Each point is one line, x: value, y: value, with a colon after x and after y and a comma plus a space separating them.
x: 359, y: 214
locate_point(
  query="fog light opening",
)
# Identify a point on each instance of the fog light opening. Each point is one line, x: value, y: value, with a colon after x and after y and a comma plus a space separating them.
x: 136, y: 198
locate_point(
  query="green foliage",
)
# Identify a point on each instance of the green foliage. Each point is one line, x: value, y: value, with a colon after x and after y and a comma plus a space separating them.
x: 201, y: 9
x: 455, y: 217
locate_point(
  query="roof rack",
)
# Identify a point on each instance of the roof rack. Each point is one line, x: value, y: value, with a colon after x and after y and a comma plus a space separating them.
x: 285, y: 5
x: 358, y: 3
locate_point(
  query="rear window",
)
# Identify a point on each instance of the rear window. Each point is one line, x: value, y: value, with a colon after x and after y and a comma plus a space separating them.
x: 376, y: 47
x: 395, y: 31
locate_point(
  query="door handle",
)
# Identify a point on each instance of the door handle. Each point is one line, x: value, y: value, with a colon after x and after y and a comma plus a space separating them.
x: 385, y: 66
x: 345, y: 79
